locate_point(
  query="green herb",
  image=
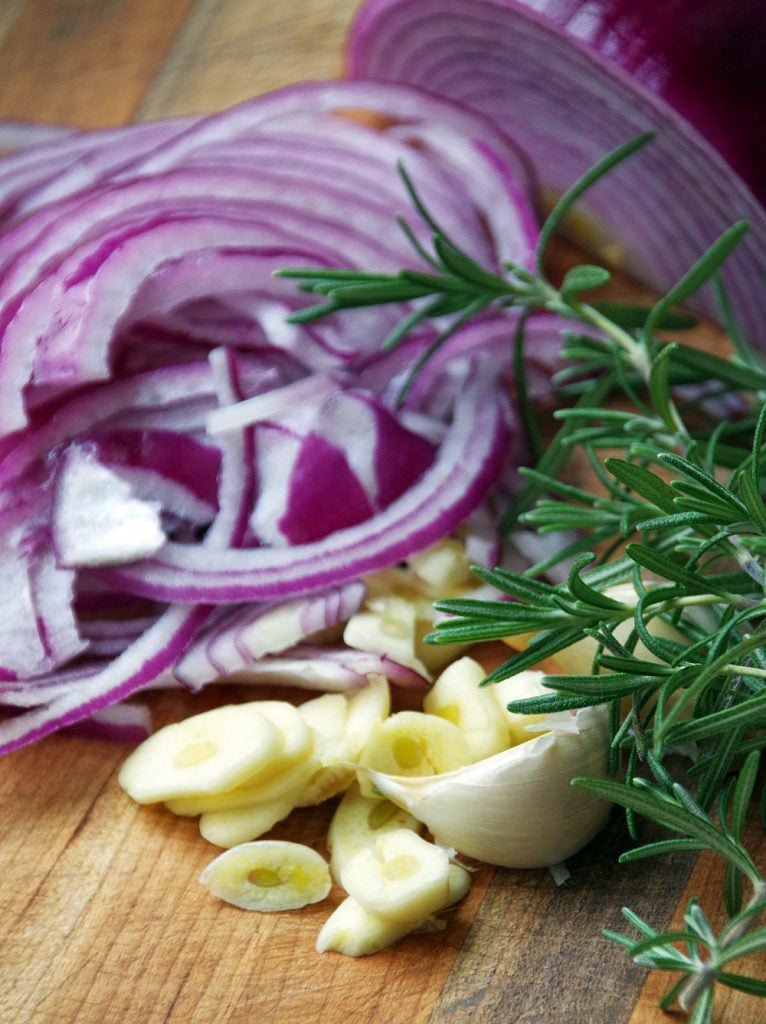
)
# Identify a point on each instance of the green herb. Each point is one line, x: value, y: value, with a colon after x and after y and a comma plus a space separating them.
x: 680, y: 516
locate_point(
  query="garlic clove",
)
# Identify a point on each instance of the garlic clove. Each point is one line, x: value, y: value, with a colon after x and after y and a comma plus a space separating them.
x: 268, y: 875
x: 517, y: 808
x: 524, y: 684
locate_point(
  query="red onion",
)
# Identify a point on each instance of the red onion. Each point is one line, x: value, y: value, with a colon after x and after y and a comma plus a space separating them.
x: 572, y: 80
x: 143, y: 342
x: 703, y: 57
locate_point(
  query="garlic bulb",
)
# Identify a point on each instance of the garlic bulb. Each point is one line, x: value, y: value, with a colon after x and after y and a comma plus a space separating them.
x: 517, y: 808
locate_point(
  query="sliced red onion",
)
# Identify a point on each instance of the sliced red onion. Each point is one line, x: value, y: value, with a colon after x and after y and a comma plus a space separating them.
x: 91, y: 265
x: 331, y: 669
x: 22, y: 134
x: 143, y: 662
x: 468, y: 461
x: 141, y: 253
x: 97, y: 520
x: 157, y: 650
x: 61, y: 166
x: 170, y: 388
x: 567, y: 105
x: 331, y: 465
x: 237, y: 639
x: 273, y: 404
x: 108, y: 637
x: 121, y: 723
x: 37, y: 626
x: 167, y: 468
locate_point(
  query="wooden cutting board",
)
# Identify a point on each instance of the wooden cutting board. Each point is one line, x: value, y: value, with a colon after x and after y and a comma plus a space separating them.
x: 102, y: 918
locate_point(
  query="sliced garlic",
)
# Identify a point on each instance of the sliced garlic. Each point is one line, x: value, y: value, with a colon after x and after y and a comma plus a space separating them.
x: 457, y: 696
x: 289, y: 783
x: 326, y: 715
x: 389, y: 627
x: 366, y: 708
x: 357, y: 821
x: 398, y: 875
x: 268, y: 875
x: 242, y: 824
x: 283, y: 774
x: 442, y: 570
x: 340, y: 740
x: 444, y: 567
x: 413, y: 743
x: 355, y: 931
x: 516, y: 808
x: 213, y: 751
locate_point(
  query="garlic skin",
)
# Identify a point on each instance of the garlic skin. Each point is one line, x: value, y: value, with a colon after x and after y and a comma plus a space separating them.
x: 517, y: 808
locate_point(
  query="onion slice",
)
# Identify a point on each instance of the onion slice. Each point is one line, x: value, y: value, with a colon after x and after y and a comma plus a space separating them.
x: 467, y: 463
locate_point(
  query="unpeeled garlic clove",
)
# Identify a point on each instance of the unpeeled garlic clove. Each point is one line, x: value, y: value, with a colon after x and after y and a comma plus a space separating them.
x: 517, y: 808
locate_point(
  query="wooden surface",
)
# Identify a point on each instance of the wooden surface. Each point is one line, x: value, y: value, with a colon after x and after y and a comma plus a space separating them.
x: 102, y: 919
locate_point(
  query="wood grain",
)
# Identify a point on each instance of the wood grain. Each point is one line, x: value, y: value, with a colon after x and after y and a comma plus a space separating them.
x: 228, y: 51
x: 102, y: 919
x: 84, y: 63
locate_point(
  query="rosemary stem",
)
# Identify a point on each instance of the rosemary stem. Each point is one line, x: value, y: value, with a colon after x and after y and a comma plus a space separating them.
x: 636, y: 352
x: 745, y: 670
x: 706, y: 977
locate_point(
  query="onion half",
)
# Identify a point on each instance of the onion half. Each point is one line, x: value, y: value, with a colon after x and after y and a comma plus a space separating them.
x: 568, y: 90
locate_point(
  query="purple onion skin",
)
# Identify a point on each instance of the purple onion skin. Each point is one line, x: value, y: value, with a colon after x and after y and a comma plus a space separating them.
x: 703, y: 57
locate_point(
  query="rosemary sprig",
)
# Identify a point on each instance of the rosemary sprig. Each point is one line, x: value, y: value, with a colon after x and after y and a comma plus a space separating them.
x: 680, y: 516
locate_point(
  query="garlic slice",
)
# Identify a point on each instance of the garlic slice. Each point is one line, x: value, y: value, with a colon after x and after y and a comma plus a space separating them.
x: 355, y: 931
x: 341, y: 731
x: 457, y: 696
x: 413, y: 743
x: 357, y: 822
x: 206, y: 753
x: 517, y: 808
x: 239, y: 825
x: 398, y: 875
x: 268, y: 875
x: 388, y: 627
